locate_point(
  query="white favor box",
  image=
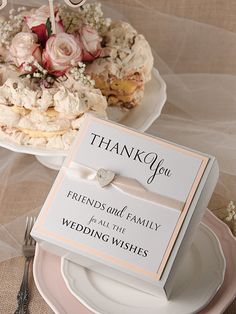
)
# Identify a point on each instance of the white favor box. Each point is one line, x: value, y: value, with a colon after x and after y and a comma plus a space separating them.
x: 136, y: 229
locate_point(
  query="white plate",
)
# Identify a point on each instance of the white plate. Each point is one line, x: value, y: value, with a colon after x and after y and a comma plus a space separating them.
x: 200, y: 275
x: 53, y: 289
x: 139, y: 118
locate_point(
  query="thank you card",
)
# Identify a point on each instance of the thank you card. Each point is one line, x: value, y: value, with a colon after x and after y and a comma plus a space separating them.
x: 121, y: 198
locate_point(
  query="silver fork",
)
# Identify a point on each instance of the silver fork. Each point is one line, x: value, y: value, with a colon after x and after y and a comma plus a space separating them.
x: 28, y: 249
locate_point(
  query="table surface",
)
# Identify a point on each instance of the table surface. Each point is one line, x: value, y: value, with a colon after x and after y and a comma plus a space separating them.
x: 219, y: 13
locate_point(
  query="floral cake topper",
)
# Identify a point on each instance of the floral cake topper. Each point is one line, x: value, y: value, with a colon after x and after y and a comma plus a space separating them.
x: 50, y: 41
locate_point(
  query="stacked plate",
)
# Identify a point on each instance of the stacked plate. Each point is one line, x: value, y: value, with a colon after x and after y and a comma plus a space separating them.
x: 206, y: 281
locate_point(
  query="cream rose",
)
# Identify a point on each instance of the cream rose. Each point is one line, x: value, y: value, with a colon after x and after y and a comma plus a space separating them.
x: 90, y: 42
x: 23, y: 47
x: 62, y: 50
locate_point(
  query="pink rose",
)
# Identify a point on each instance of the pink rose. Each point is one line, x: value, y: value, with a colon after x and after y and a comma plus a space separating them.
x: 90, y: 41
x: 23, y: 47
x: 37, y: 23
x: 62, y: 50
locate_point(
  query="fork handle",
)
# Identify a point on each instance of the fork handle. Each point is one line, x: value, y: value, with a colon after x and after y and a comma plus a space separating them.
x: 23, y: 294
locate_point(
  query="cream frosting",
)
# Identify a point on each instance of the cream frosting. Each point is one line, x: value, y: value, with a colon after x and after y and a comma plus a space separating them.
x: 17, y: 92
x: 27, y: 110
x: 14, y: 136
x: 62, y: 142
x: 8, y: 117
x: 36, y: 121
x: 125, y: 52
x: 57, y: 142
x: 68, y: 102
x: 46, y: 99
x: 7, y: 71
x: 69, y: 97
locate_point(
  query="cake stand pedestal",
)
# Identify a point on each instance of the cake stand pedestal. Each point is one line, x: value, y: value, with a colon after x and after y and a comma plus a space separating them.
x: 52, y: 162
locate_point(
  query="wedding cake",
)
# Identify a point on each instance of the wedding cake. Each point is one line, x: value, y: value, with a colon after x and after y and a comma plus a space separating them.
x: 51, y: 74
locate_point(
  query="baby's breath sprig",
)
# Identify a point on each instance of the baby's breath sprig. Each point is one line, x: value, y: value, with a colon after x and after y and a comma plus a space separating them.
x: 34, y: 70
x: 47, y: 80
x: 231, y: 211
x: 228, y: 215
x: 90, y: 14
x: 78, y: 73
x: 10, y: 27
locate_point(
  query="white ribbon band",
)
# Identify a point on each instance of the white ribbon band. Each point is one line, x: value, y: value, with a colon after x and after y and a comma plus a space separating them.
x: 126, y: 185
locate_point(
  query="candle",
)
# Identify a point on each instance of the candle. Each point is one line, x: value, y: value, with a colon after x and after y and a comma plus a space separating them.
x: 73, y: 4
x: 52, y: 16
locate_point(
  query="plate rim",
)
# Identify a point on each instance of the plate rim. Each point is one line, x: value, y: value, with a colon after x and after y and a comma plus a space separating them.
x: 94, y: 308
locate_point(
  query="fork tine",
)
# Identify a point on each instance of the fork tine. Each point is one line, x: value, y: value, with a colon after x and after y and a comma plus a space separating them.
x: 32, y: 241
x: 27, y: 233
x: 32, y: 224
x: 28, y: 240
x: 26, y: 229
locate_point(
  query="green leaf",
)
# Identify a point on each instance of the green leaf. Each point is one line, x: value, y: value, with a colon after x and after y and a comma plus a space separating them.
x: 22, y: 75
x: 49, y: 27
